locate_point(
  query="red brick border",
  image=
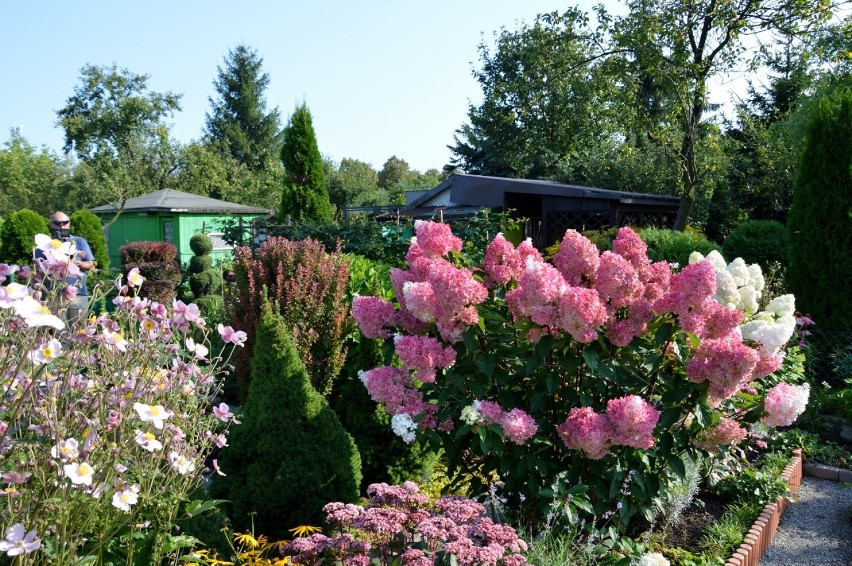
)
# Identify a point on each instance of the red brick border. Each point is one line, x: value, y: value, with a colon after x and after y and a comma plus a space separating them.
x: 764, y: 528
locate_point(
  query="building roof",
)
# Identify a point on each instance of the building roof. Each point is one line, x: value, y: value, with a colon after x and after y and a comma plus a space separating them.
x: 171, y: 200
x: 461, y: 189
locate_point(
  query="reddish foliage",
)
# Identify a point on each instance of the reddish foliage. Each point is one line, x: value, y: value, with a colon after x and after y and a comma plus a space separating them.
x: 307, y: 286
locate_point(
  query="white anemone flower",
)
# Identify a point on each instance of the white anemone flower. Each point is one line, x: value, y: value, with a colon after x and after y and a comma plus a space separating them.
x: 35, y: 314
x: 79, y: 474
x: 155, y: 414
x: 47, y: 352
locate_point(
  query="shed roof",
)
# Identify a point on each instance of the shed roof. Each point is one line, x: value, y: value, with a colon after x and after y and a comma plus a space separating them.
x: 461, y: 189
x: 171, y: 200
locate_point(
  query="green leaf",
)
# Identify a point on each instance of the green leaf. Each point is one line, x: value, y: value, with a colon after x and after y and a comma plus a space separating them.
x: 591, y: 358
x: 669, y: 416
x: 486, y: 364
x: 676, y: 464
x: 197, y: 507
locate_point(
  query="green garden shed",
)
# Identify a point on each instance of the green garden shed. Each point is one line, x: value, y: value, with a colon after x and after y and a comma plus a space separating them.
x: 174, y: 216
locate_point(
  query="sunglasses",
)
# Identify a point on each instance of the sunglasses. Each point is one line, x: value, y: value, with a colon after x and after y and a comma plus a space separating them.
x: 61, y: 222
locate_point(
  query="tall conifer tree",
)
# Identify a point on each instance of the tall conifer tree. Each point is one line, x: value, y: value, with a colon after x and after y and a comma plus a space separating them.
x: 305, y: 196
x: 238, y: 122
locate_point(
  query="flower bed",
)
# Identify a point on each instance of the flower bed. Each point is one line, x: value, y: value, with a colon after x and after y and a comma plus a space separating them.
x: 760, y: 535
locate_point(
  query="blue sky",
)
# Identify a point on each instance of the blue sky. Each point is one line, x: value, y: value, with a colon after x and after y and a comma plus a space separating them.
x: 381, y: 78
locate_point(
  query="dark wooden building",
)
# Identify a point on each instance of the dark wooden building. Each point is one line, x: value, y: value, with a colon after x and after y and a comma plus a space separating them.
x: 549, y: 207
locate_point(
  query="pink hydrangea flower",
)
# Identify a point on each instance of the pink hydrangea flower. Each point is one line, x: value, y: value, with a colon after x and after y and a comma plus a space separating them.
x: 577, y: 259
x: 423, y: 354
x: 784, y: 403
x: 502, y: 261
x: 726, y: 432
x: 726, y: 363
x: 630, y: 246
x: 386, y: 385
x: 518, y: 426
x: 768, y: 365
x: 633, y: 421
x: 489, y: 411
x: 374, y: 316
x: 436, y: 239
x: 586, y: 430
x: 580, y: 312
x: 689, y: 289
x: 617, y: 281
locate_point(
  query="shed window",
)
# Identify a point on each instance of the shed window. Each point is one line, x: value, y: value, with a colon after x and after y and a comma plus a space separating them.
x: 219, y: 243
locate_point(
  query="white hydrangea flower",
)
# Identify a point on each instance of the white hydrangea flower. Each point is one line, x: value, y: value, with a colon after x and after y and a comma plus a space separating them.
x: 739, y: 271
x: 773, y: 336
x: 783, y: 306
x: 726, y: 290
x: 404, y: 427
x: 470, y: 415
x: 756, y: 279
x: 653, y: 559
x: 717, y: 260
x: 748, y: 297
x: 695, y: 257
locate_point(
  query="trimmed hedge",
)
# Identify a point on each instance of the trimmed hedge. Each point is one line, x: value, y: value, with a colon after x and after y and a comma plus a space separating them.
x: 87, y: 225
x: 674, y: 246
x: 158, y: 263
x: 17, y: 235
x: 757, y: 241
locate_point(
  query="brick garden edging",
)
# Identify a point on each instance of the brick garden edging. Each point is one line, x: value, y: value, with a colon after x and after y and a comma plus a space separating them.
x: 765, y: 526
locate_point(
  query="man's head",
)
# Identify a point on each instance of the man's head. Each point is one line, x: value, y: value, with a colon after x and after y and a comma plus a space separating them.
x: 60, y: 225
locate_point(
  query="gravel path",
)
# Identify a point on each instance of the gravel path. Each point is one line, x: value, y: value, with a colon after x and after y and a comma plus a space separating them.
x: 816, y: 531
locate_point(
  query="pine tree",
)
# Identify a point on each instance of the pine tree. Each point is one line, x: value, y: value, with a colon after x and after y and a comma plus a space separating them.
x: 818, y: 235
x: 238, y: 124
x: 305, y: 196
x: 290, y: 456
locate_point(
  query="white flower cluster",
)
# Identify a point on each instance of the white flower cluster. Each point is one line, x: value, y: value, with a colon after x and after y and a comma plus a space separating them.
x: 404, y: 427
x: 470, y: 415
x: 738, y: 285
x: 653, y: 559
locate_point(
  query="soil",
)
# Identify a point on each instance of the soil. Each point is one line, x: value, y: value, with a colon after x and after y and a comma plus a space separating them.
x: 688, y: 532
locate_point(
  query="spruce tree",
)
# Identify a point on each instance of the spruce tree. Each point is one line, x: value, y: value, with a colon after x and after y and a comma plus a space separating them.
x: 290, y: 456
x: 818, y: 236
x: 305, y: 195
x: 238, y: 123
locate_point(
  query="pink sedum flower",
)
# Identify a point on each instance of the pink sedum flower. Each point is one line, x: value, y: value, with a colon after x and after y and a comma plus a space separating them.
x: 784, y: 403
x: 633, y: 421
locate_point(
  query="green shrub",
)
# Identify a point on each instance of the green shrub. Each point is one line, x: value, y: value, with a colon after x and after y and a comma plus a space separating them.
x: 199, y: 263
x: 673, y: 246
x: 208, y: 282
x: 818, y: 235
x: 757, y: 241
x: 385, y: 457
x: 602, y: 238
x: 157, y: 262
x: 212, y: 308
x: 17, y: 236
x: 87, y: 225
x: 290, y: 456
x: 201, y: 244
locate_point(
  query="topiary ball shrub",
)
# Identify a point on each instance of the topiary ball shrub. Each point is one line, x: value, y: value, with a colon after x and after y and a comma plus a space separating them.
x: 674, y: 246
x: 208, y: 282
x: 199, y: 263
x: 290, y: 456
x: 758, y: 241
x: 201, y: 244
x: 17, y: 236
x: 88, y: 225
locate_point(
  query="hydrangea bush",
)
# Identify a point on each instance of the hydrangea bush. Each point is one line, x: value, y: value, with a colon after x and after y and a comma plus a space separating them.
x: 105, y: 426
x: 581, y: 383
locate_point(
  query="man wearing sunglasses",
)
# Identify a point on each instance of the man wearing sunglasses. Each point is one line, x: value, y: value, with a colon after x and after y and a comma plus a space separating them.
x: 60, y: 228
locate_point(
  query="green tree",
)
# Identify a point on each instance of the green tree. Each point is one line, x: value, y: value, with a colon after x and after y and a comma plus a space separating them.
x: 353, y: 183
x: 115, y: 125
x: 238, y: 123
x: 546, y: 101
x: 305, y: 194
x: 686, y: 44
x: 88, y: 225
x: 30, y: 178
x: 290, y: 456
x: 17, y: 236
x: 818, y: 235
